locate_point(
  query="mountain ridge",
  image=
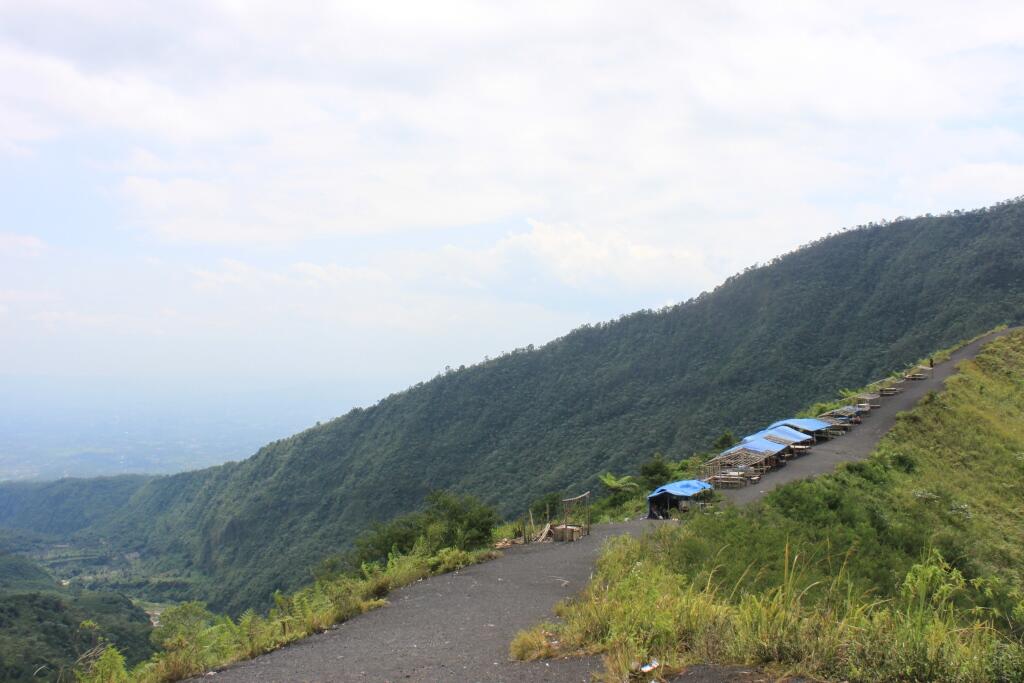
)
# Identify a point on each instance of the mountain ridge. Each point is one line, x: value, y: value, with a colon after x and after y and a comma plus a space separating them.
x: 838, y: 312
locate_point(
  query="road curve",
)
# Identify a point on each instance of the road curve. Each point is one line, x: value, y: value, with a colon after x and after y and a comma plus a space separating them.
x: 457, y: 627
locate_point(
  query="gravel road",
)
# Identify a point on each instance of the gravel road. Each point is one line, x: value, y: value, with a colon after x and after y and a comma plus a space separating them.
x: 457, y: 627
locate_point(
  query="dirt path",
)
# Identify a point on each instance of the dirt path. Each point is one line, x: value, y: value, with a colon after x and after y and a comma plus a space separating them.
x: 458, y: 626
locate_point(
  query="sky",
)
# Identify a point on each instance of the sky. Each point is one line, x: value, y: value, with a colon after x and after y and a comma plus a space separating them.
x: 201, y: 198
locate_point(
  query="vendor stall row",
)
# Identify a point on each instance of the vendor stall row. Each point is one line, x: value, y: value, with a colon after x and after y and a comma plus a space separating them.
x: 761, y: 452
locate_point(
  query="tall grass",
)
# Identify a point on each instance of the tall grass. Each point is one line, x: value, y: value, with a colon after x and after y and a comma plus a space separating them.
x: 637, y: 610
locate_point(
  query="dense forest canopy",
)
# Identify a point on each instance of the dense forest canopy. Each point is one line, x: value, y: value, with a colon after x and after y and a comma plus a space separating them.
x: 834, y: 314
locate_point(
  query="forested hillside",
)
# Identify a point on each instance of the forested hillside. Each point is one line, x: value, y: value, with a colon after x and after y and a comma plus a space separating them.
x: 41, y: 623
x: 64, y: 506
x: 836, y: 313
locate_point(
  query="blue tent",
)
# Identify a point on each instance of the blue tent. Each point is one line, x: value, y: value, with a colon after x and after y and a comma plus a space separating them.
x: 804, y: 424
x: 683, y: 489
x: 786, y: 433
x: 758, y: 444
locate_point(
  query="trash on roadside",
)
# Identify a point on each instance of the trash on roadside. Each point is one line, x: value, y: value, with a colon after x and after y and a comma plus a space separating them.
x: 650, y: 666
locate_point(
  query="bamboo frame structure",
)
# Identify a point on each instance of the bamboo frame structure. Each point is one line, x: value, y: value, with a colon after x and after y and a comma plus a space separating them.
x: 841, y: 413
x: 870, y: 399
x: 891, y: 388
x: 738, y: 466
x: 919, y: 372
x: 577, y: 511
x: 836, y: 427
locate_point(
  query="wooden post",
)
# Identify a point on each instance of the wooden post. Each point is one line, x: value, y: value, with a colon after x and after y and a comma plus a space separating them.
x: 588, y: 514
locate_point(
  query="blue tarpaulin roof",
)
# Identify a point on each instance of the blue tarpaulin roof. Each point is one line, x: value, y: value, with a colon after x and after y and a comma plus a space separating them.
x: 808, y: 423
x: 787, y: 433
x: 686, y: 487
x: 760, y: 445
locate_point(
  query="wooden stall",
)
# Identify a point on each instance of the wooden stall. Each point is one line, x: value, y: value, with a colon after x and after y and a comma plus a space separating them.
x: 869, y: 399
x: 847, y: 414
x: 575, y: 519
x: 738, y: 467
x: 920, y: 372
x: 891, y: 387
x: 837, y: 427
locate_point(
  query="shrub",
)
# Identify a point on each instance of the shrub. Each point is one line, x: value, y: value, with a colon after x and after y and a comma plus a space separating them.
x: 181, y: 624
x: 107, y: 668
x: 450, y: 559
x: 655, y: 472
x: 449, y: 521
x: 459, y: 521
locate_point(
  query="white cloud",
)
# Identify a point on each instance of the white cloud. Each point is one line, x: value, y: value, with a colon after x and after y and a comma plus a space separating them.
x: 404, y: 117
x: 596, y: 261
x: 387, y: 184
x: 20, y: 245
x: 979, y: 180
x: 54, y: 320
x: 394, y: 287
x: 20, y: 296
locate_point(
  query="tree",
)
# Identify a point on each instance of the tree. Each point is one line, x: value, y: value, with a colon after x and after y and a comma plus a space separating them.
x: 724, y: 441
x: 459, y: 521
x: 625, y: 484
x: 547, y: 506
x: 181, y: 624
x: 655, y: 472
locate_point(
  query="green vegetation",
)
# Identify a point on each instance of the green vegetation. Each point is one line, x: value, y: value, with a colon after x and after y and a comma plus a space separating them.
x: 838, y: 313
x: 449, y: 520
x: 845, y: 395
x: 65, y: 506
x: 908, y: 566
x: 451, y: 533
x: 21, y: 575
x: 45, y: 629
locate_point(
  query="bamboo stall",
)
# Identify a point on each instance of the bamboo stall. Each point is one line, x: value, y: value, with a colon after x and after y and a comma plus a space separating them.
x: 920, y: 372
x: 575, y: 519
x: 869, y: 399
x: 836, y: 427
x: 891, y: 387
x: 841, y: 414
x: 738, y: 467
